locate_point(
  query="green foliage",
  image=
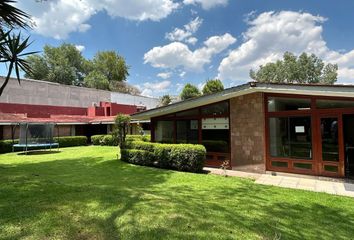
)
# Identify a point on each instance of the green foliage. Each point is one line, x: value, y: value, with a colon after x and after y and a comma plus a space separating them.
x: 6, y: 145
x: 104, y: 140
x: 182, y: 157
x: 212, y: 86
x: 71, y: 141
x: 189, y: 91
x: 139, y: 157
x: 165, y: 100
x: 122, y: 122
x: 64, y: 64
x: 96, y: 80
x: 145, y: 138
x: 303, y: 69
x: 111, y: 65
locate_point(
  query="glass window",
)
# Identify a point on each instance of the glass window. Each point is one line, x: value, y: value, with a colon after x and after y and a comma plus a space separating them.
x: 187, y: 131
x: 192, y: 112
x: 276, y: 104
x: 279, y: 164
x: 164, y: 131
x: 290, y: 137
x: 330, y: 168
x: 322, y: 103
x: 216, y: 140
x: 306, y: 166
x: 329, y: 134
x: 220, y: 108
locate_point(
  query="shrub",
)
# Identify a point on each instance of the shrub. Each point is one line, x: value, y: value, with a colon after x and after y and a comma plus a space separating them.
x: 96, y: 139
x: 145, y: 138
x: 6, y: 146
x: 139, y: 157
x: 71, y: 141
x: 182, y: 157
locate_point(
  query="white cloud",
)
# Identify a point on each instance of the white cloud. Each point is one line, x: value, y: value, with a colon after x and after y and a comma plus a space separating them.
x: 80, y: 47
x: 150, y: 89
x: 207, y: 4
x: 182, y: 74
x: 186, y: 33
x: 164, y: 75
x: 58, y: 18
x: 271, y: 34
x: 176, y: 54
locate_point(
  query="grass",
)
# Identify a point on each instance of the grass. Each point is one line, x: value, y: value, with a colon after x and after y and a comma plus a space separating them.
x: 86, y: 193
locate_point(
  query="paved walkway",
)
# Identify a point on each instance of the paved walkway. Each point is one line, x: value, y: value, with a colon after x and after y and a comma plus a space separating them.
x: 328, y: 185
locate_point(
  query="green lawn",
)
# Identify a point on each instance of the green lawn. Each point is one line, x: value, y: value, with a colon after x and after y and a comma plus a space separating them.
x: 86, y: 193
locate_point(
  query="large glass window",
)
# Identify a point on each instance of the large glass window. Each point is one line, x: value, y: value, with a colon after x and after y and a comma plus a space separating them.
x: 215, y: 134
x: 164, y: 131
x: 220, y: 108
x: 324, y: 103
x: 290, y: 137
x: 329, y: 135
x: 187, y: 131
x: 276, y: 104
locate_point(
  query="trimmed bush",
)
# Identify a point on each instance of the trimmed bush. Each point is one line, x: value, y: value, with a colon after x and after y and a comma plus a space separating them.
x: 139, y: 157
x: 96, y: 139
x: 6, y: 146
x: 145, y: 138
x: 182, y: 157
x: 71, y: 141
x: 104, y: 140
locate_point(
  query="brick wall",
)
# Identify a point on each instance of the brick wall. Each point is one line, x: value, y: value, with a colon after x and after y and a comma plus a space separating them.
x: 247, y: 133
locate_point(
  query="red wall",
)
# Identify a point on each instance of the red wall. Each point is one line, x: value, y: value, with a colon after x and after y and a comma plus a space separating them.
x: 41, y: 110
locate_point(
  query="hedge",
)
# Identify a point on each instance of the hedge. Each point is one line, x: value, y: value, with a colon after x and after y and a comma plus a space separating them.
x: 104, y: 140
x: 139, y: 157
x: 182, y: 157
x: 70, y: 141
x: 6, y: 145
x: 109, y: 140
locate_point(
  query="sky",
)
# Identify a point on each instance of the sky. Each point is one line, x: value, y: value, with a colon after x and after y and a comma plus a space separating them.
x: 168, y: 43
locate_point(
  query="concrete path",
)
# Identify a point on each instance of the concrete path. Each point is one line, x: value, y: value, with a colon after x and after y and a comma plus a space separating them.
x: 327, y: 185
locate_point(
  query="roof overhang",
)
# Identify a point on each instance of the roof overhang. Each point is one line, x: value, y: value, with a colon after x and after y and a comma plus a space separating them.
x: 252, y: 87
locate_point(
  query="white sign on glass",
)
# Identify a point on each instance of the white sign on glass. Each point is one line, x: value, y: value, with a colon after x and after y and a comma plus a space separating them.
x: 299, y: 129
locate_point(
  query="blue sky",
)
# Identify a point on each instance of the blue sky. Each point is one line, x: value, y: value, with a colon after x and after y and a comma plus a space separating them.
x: 169, y: 43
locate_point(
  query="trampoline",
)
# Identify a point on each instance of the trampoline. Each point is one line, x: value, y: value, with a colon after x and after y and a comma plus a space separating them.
x: 36, y: 136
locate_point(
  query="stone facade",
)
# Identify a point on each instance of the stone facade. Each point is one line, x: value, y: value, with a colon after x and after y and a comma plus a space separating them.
x: 247, y: 133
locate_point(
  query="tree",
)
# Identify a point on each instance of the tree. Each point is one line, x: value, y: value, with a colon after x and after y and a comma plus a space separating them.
x: 165, y: 100
x: 122, y: 122
x: 12, y: 46
x: 64, y: 64
x: 292, y: 69
x: 189, y: 91
x: 111, y: 65
x: 212, y: 86
x: 96, y: 80
x: 124, y: 87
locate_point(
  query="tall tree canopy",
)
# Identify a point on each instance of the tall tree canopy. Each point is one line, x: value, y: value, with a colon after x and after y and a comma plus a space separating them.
x: 189, y: 91
x: 212, y: 86
x: 292, y: 69
x: 66, y: 65
x: 13, y: 45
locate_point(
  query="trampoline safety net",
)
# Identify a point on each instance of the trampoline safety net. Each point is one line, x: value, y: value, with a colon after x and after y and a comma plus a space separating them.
x: 34, y: 133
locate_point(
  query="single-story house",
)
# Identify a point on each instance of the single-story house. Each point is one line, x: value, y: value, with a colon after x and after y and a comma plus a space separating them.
x: 258, y: 127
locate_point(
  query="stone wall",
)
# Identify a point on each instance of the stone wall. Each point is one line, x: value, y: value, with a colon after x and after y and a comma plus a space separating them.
x: 247, y: 133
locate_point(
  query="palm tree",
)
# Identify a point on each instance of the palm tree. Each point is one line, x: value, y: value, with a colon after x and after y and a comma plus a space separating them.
x: 12, y: 46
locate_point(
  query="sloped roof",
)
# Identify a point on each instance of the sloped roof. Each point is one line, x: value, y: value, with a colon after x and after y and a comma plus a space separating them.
x: 251, y: 87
